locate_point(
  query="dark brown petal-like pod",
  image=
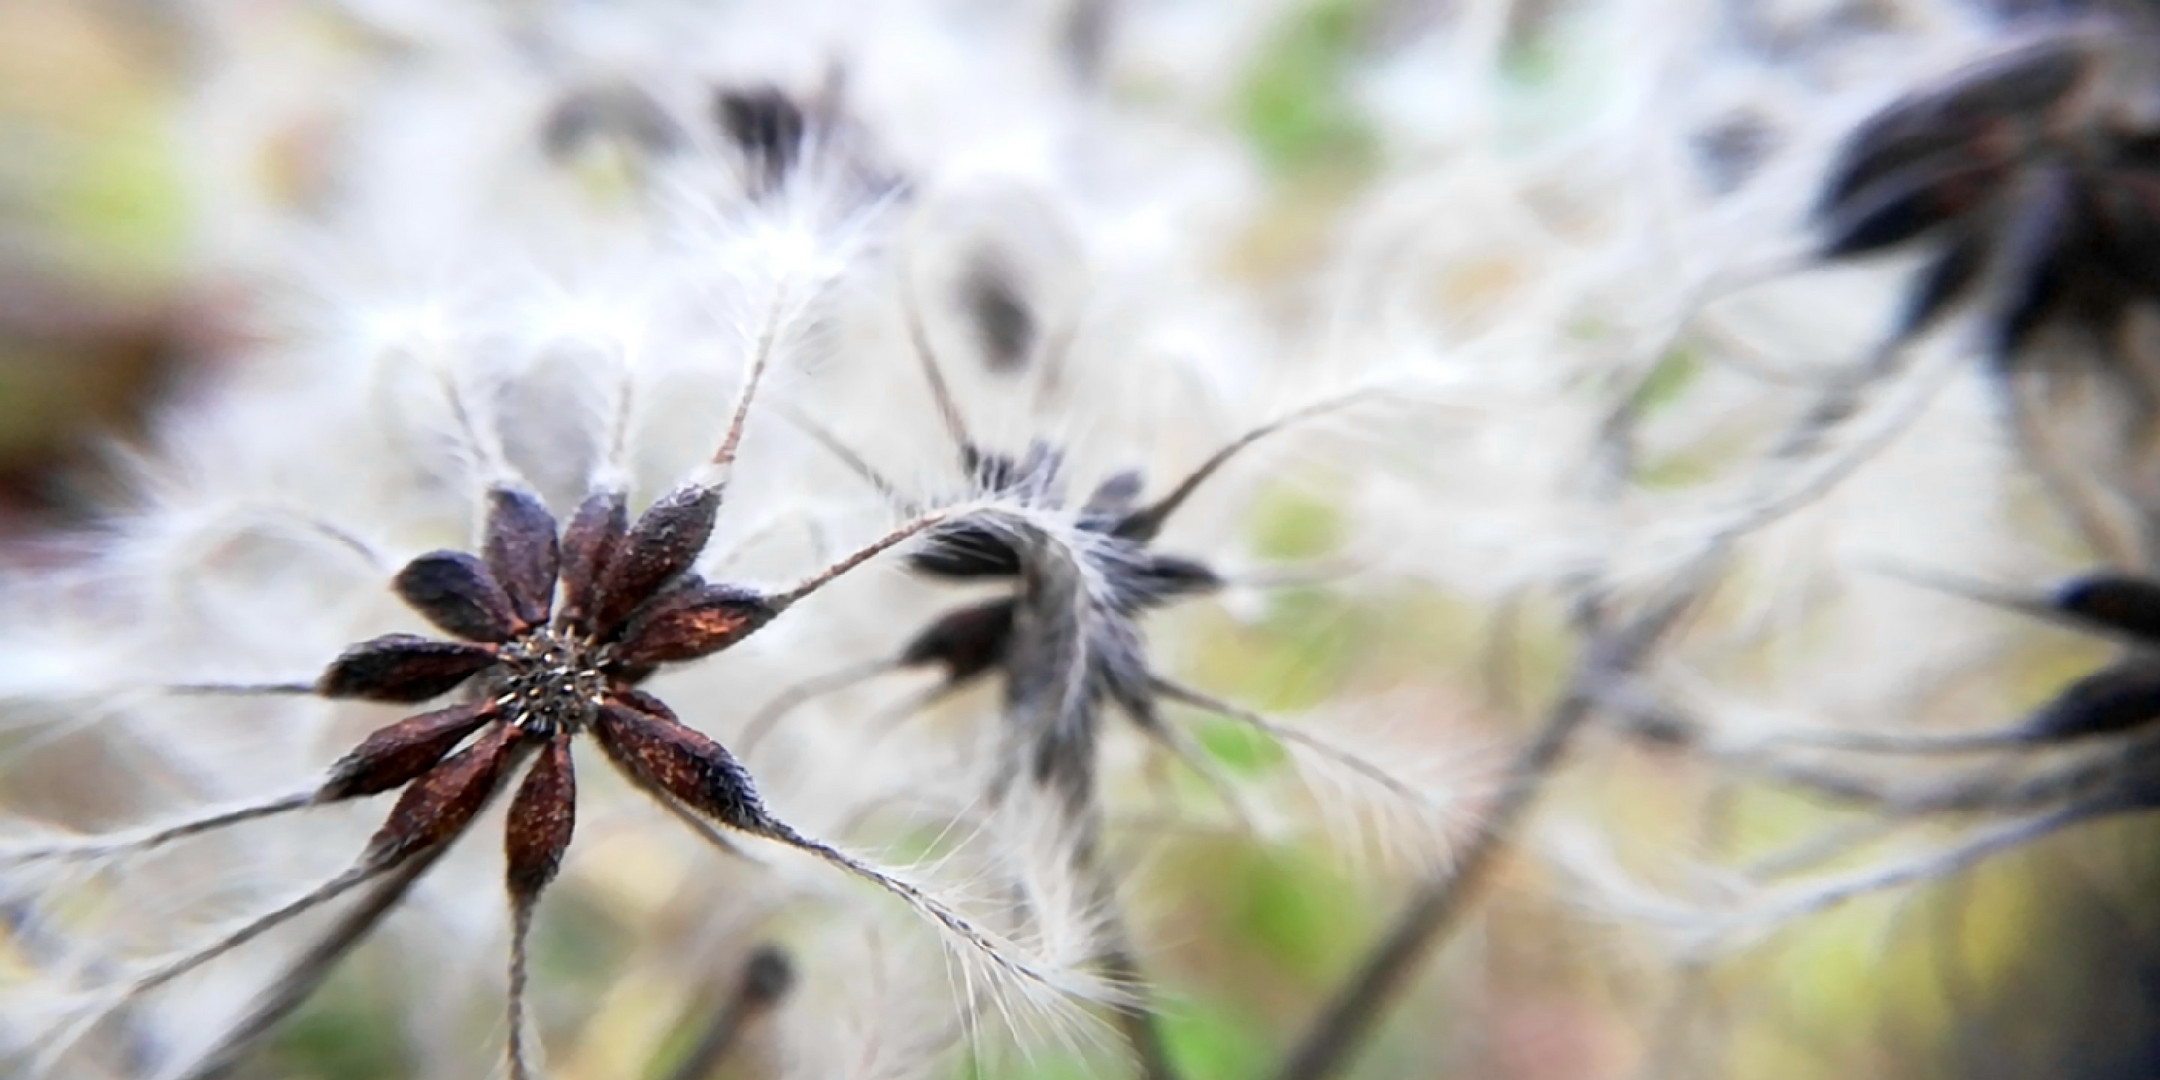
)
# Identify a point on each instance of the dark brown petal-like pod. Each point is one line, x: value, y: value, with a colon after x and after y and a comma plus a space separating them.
x: 2112, y: 700
x: 643, y: 702
x: 1004, y: 324
x: 1115, y: 495
x: 682, y: 762
x: 1907, y: 204
x: 395, y: 754
x: 439, y: 805
x: 768, y: 127
x: 542, y: 817
x: 2118, y: 602
x: 967, y: 641
x: 685, y: 624
x: 522, y: 554
x: 457, y: 593
x: 2018, y: 88
x: 667, y: 538
x: 768, y: 976
x: 402, y: 668
x: 965, y: 549
x: 589, y: 547
x: 618, y: 112
x: 1158, y: 579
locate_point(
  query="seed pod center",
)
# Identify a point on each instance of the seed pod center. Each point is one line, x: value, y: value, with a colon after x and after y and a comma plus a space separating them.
x: 550, y: 682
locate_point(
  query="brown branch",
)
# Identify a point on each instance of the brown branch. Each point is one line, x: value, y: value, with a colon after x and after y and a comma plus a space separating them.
x: 1434, y: 909
x: 766, y: 978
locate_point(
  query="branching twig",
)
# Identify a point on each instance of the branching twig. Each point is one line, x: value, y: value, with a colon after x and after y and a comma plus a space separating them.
x: 1607, y: 656
x: 1433, y: 910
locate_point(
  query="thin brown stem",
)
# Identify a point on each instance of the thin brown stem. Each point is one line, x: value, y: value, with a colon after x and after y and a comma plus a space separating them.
x: 223, y: 689
x: 765, y: 980
x: 322, y: 894
x: 1928, y: 868
x: 871, y: 550
x: 1146, y: 523
x: 521, y: 917
x: 919, y: 337
x: 1281, y: 733
x: 98, y: 847
x: 855, y: 462
x: 2064, y: 486
x: 485, y: 448
x: 958, y: 927
x: 1433, y: 910
x: 788, y: 700
x: 1135, y: 1020
x: 760, y: 360
x: 305, y: 974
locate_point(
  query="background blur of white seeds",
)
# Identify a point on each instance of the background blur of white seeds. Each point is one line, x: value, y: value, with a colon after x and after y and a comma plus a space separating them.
x: 256, y: 257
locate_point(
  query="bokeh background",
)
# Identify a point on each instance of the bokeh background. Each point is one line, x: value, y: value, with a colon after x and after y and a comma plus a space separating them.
x: 2044, y: 962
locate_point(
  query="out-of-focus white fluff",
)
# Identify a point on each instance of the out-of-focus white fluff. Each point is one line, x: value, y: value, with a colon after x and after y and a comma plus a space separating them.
x: 424, y: 297
x: 424, y: 302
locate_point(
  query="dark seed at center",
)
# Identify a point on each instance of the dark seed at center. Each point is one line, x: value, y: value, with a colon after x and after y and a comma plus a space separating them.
x: 548, y: 683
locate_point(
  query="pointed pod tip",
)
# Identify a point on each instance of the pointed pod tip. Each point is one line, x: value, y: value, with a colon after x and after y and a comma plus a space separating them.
x: 689, y: 623
x: 438, y: 806
x: 2122, y: 602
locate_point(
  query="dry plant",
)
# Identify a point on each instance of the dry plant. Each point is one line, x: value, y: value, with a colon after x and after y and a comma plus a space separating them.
x: 511, y: 297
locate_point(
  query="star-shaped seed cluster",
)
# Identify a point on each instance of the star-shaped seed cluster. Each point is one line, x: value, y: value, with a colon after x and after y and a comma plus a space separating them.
x: 972, y: 641
x: 537, y: 674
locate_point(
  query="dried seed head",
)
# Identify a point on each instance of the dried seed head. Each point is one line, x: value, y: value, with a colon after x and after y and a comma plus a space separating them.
x: 2033, y: 173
